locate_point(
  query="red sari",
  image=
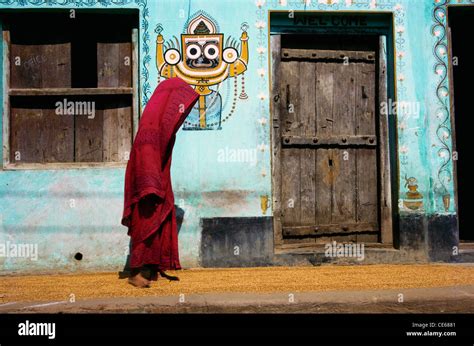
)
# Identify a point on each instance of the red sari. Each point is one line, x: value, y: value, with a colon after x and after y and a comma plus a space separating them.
x: 149, y: 211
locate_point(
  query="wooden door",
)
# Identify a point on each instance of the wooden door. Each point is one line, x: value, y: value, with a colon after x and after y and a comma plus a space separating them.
x: 326, y: 146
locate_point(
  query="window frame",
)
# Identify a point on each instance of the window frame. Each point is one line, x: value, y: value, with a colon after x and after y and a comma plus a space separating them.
x: 6, y: 107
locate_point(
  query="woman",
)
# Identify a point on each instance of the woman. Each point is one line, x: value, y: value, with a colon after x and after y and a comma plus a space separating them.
x: 149, y: 211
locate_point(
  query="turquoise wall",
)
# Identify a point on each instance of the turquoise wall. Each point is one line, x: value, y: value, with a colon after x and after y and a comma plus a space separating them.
x: 79, y: 210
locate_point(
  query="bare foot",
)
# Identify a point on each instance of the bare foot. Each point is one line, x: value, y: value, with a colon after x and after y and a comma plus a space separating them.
x: 139, y: 281
x: 169, y: 277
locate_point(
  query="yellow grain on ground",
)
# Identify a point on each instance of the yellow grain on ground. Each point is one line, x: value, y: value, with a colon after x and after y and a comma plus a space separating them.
x: 250, y: 280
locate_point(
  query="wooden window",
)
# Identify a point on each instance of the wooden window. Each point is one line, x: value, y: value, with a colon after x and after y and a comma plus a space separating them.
x: 70, y: 88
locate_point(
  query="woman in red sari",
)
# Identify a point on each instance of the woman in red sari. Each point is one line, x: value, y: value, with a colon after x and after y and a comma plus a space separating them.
x: 149, y: 211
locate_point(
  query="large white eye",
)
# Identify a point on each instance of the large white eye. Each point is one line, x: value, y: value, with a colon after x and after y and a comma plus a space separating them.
x: 211, y: 51
x: 193, y: 51
x: 172, y: 56
x: 230, y: 55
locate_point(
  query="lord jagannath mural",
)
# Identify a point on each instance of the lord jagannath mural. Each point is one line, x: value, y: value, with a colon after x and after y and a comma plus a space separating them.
x: 205, y: 59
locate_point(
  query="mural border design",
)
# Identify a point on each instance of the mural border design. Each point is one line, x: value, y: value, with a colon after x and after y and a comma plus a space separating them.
x: 443, y: 112
x: 144, y: 42
x: 263, y: 112
x: 443, y: 131
x: 333, y: 4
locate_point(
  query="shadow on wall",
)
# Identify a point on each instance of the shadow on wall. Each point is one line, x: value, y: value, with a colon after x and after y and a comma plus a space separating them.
x: 125, y: 273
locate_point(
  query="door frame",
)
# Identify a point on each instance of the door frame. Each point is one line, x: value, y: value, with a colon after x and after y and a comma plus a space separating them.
x: 387, y: 193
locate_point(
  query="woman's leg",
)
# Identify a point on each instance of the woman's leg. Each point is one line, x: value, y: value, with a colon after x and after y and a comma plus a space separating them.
x: 150, y: 272
x: 157, y: 253
x: 136, y: 279
x: 161, y: 251
x: 138, y: 258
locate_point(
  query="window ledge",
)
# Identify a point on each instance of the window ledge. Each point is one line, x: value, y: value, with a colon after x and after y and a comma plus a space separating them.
x: 70, y: 91
x: 63, y: 166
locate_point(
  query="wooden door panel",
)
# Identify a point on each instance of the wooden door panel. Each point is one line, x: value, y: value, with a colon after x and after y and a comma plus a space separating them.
x: 307, y: 86
x: 114, y: 63
x: 38, y: 133
x: 328, y: 148
x: 323, y: 186
x: 366, y: 186
x: 366, y: 120
x: 344, y: 99
x: 343, y: 188
x: 45, y: 65
x: 325, y: 85
x: 290, y: 167
x: 342, y: 161
x: 365, y: 100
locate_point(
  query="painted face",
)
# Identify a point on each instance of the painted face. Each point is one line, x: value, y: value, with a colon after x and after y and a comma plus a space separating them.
x: 202, y: 51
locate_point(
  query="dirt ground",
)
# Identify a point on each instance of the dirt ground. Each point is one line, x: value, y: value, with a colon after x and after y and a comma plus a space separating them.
x: 282, y: 282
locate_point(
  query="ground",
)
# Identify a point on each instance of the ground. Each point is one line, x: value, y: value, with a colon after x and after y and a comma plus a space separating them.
x: 369, y: 288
